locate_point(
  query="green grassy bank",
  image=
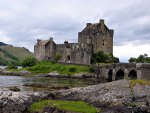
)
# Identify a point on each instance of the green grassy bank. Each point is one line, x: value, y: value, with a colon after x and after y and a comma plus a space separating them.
x: 47, y: 67
x: 75, y: 106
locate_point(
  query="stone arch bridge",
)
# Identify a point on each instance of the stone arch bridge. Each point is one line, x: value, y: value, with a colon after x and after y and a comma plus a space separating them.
x: 124, y: 70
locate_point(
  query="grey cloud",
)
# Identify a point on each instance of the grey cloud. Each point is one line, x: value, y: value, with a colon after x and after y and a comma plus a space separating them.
x: 26, y: 20
x: 125, y: 22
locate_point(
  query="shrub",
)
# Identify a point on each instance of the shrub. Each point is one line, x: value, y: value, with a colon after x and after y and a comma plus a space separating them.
x: 11, y: 66
x: 29, y: 62
x: 3, y: 61
x: 72, y: 69
x: 57, y: 57
x: 100, y: 57
x: 92, y: 69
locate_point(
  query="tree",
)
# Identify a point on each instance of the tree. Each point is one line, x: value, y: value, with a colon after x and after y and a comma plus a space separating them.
x: 132, y: 59
x: 57, y: 57
x: 140, y: 59
x: 29, y: 62
x: 100, y: 57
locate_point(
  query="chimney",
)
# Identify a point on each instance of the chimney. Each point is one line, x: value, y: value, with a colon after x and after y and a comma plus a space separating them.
x: 38, y: 40
x: 88, y: 24
x: 102, y: 25
x: 51, y: 38
x: 65, y: 42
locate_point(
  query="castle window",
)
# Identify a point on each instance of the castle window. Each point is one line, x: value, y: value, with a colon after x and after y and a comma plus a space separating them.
x: 103, y: 42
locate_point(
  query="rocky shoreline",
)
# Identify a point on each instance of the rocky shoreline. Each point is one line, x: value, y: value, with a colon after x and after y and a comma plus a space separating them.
x: 52, y: 74
x: 75, y: 76
x: 114, y: 97
x: 14, y: 73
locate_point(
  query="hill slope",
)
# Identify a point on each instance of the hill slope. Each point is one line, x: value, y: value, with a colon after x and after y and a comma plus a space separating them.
x: 2, y: 44
x: 14, y: 55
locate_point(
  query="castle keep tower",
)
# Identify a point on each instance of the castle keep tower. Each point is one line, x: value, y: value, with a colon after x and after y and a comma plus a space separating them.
x: 93, y: 38
x: 99, y: 36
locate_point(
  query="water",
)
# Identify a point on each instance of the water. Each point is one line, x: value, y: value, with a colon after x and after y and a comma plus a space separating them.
x: 3, y: 67
x: 20, y: 81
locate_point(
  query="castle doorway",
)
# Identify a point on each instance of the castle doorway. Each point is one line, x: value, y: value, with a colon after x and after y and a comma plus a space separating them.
x: 119, y: 75
x: 132, y: 74
x: 68, y: 58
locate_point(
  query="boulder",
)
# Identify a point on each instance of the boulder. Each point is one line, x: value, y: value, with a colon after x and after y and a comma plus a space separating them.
x: 53, y: 74
x: 24, y: 72
x: 84, y: 75
x: 14, y: 102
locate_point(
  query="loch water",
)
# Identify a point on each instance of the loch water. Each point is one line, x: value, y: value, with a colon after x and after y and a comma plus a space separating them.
x: 20, y: 82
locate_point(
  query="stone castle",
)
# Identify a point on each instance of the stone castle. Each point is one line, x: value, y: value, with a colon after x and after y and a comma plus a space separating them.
x: 93, y: 38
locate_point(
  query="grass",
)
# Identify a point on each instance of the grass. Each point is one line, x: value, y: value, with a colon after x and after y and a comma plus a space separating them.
x: 75, y: 106
x: 132, y: 104
x: 46, y: 67
x: 13, y: 55
x: 141, y: 82
x: 19, y: 53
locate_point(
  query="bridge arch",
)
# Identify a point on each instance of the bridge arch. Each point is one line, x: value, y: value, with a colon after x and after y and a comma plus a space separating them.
x: 119, y: 74
x: 132, y: 74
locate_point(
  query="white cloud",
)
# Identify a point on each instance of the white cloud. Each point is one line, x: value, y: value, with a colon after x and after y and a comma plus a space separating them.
x: 23, y: 21
x: 127, y: 51
x: 4, y: 38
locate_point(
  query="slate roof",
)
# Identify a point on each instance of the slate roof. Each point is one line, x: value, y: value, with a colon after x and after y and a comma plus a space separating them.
x: 42, y: 42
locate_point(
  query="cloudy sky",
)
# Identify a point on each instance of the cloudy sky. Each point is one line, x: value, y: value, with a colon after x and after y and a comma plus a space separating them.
x: 22, y: 22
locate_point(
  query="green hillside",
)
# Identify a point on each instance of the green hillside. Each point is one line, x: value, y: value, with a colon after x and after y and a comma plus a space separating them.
x: 13, y: 55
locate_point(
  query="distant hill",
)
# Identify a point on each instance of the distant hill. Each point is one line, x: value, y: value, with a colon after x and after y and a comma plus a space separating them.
x: 3, y: 44
x: 14, y: 55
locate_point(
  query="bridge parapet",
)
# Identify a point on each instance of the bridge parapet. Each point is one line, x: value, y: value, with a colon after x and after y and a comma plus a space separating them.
x: 143, y: 65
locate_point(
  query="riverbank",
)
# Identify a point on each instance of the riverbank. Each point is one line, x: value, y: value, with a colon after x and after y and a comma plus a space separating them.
x: 119, y: 96
x: 115, y: 97
x: 54, y: 74
x: 55, y: 70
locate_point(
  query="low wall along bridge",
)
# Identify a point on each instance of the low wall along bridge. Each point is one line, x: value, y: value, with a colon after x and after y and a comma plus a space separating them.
x: 124, y: 70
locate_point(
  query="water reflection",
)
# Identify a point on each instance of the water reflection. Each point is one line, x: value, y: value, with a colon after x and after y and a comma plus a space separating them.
x: 18, y: 81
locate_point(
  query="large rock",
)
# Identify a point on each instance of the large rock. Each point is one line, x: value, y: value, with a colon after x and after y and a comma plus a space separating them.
x: 14, y: 102
x: 119, y: 95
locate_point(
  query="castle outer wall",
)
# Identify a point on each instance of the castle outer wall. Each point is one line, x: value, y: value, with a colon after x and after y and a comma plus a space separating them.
x: 93, y: 38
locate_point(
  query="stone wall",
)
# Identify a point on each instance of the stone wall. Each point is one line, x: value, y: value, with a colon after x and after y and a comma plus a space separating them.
x: 39, y: 52
x: 143, y: 70
x: 124, y: 71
